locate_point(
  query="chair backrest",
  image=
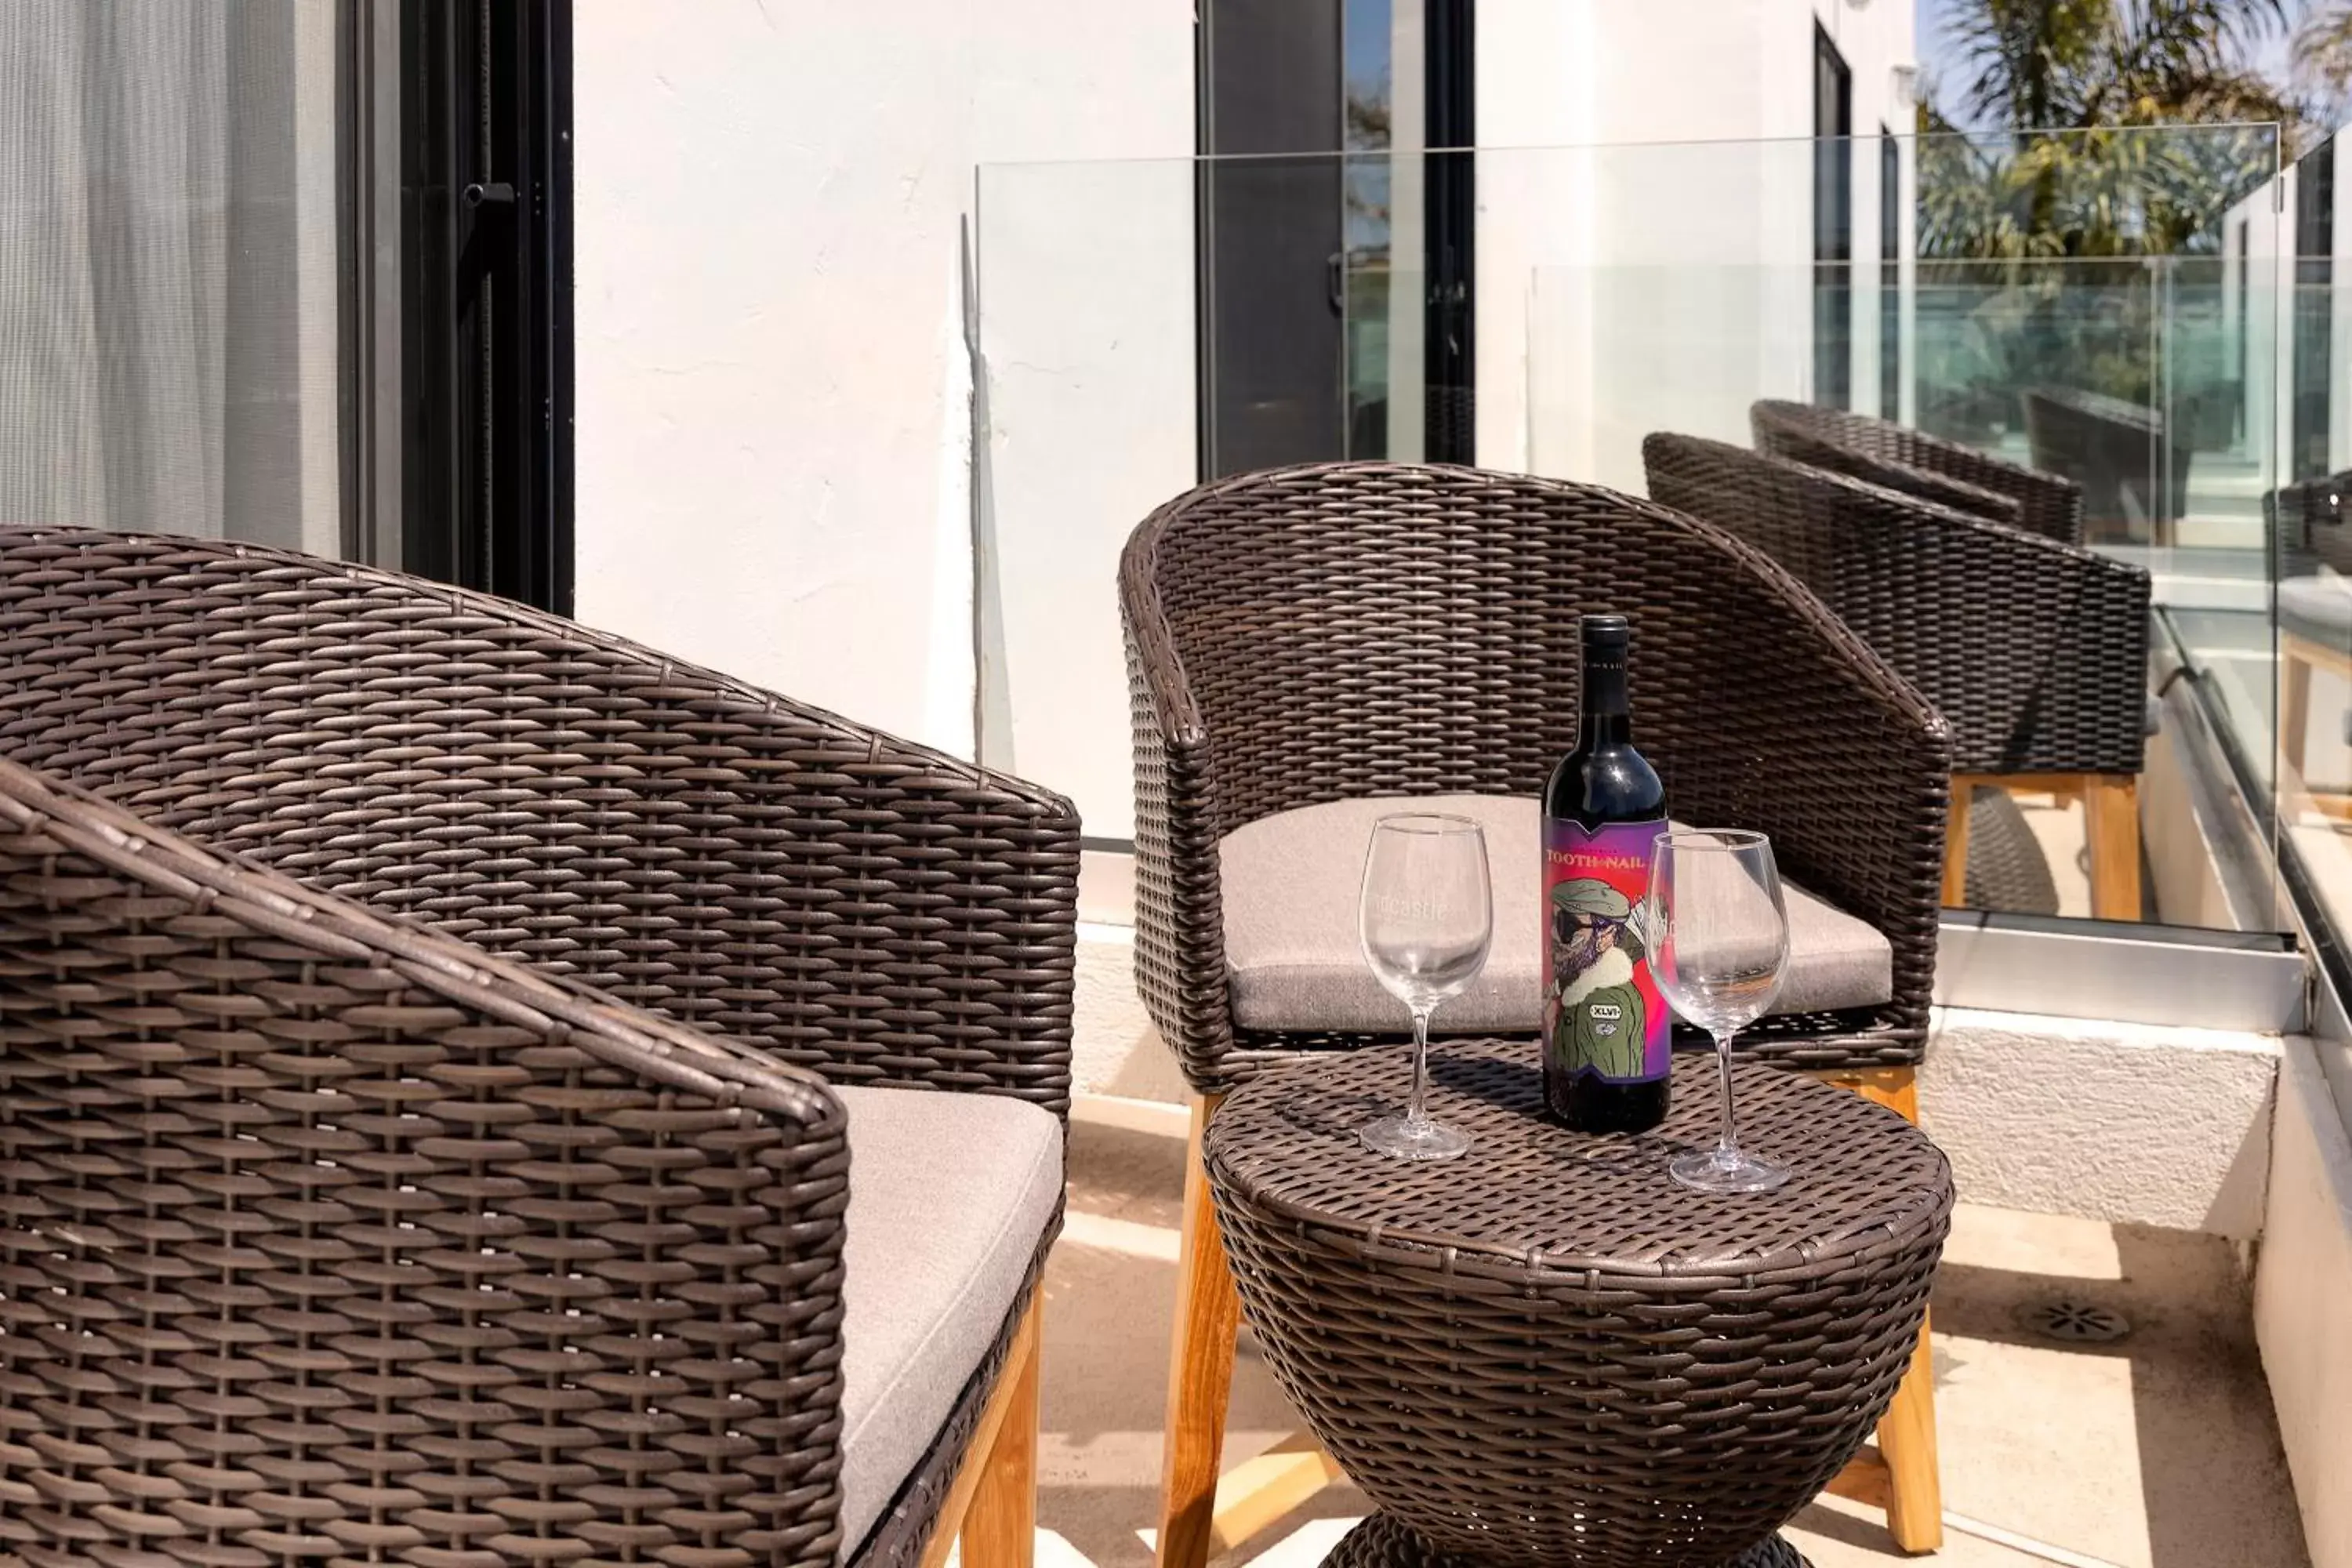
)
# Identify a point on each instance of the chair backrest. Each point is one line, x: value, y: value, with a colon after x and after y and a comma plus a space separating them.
x: 325, y: 1236
x: 2308, y: 520
x: 1898, y: 457
x: 1357, y: 629
x: 1353, y: 629
x: 2035, y: 651
x: 686, y: 842
x: 2133, y: 471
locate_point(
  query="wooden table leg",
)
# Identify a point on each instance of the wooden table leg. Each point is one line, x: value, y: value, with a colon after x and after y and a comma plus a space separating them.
x: 1200, y: 1366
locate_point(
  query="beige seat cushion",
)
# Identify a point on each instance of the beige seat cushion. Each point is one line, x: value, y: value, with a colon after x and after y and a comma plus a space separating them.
x: 948, y: 1196
x: 1294, y: 961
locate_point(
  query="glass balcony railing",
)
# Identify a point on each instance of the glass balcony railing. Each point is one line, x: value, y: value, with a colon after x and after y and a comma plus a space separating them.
x: 2146, y: 314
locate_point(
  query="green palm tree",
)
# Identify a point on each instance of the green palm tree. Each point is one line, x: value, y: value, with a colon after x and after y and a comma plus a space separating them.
x: 2072, y: 170
x: 2066, y: 80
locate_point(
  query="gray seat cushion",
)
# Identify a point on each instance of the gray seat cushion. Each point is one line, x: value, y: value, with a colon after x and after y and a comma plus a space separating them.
x: 2318, y: 608
x: 1294, y: 962
x: 948, y: 1194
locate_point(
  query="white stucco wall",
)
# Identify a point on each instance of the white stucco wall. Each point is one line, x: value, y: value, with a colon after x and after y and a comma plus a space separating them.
x: 2303, y: 1302
x: 774, y: 470
x: 2153, y: 1125
x: 771, y: 196
x: 1662, y: 277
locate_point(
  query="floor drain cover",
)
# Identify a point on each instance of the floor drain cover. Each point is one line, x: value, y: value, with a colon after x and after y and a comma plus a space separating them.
x: 2080, y: 1322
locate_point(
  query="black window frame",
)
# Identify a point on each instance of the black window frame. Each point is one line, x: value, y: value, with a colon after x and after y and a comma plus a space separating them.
x: 485, y: 173
x: 2313, y: 312
x: 1832, y: 223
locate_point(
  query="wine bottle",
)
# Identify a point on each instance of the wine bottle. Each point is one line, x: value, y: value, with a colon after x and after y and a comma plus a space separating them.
x: 1605, y: 1027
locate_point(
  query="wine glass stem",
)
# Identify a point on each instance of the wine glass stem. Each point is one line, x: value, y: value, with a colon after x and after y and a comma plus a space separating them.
x: 1729, y: 1142
x: 1412, y: 1110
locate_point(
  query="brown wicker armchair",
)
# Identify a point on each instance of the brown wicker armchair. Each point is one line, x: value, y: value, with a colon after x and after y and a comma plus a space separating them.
x: 1897, y: 458
x: 462, y: 1091
x: 2132, y: 469
x: 1330, y: 633
x: 2035, y: 651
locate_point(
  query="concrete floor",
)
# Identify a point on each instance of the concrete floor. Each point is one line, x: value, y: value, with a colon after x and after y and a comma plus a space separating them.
x: 2158, y: 1451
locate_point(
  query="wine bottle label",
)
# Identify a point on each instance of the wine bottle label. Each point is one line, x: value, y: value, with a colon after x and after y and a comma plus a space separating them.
x: 1603, y: 1012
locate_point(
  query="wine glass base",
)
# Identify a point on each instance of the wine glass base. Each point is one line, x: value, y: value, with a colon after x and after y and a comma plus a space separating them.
x: 1727, y: 1171
x: 1412, y: 1138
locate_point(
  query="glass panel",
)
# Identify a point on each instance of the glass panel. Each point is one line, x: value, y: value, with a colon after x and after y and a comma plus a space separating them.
x: 170, y: 268
x: 2104, y: 308
x: 2313, y: 546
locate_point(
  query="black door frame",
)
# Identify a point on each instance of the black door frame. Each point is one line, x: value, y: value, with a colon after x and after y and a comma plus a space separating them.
x: 486, y: 280
x: 1832, y: 223
x: 1449, y: 260
x: 1451, y: 256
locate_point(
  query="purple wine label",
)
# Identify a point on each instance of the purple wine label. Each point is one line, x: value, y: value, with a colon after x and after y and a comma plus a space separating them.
x: 1602, y: 1010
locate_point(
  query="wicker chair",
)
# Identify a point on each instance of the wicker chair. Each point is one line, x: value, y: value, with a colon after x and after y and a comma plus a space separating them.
x: 2133, y: 470
x: 2035, y: 651
x: 2315, y: 610
x: 1897, y: 458
x: 464, y: 1095
x: 1335, y: 632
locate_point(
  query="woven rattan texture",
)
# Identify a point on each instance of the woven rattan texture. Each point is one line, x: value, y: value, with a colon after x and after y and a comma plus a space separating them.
x: 1313, y: 634
x: 2134, y: 476
x: 2307, y: 520
x: 2008, y: 868
x: 685, y: 842
x: 1381, y: 1541
x: 1549, y: 1349
x: 330, y: 1239
x: 2036, y: 652
x: 1898, y: 457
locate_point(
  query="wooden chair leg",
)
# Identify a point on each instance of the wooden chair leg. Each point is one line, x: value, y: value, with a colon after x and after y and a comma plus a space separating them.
x: 2111, y: 820
x: 1903, y: 1476
x: 1200, y: 1366
x: 1956, y: 849
x: 2295, y: 704
x: 1000, y: 1525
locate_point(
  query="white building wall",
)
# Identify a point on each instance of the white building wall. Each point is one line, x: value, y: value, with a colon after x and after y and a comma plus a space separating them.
x: 774, y: 399
x: 1680, y: 288
x: 771, y: 197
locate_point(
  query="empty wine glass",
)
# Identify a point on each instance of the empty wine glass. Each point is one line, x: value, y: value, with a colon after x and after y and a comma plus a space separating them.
x: 1428, y: 917
x: 1720, y: 946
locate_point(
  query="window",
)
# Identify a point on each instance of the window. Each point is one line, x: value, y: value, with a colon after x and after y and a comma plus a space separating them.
x: 2314, y: 268
x: 485, y: 295
x: 1336, y: 261
x: 172, y: 273
x: 1832, y: 225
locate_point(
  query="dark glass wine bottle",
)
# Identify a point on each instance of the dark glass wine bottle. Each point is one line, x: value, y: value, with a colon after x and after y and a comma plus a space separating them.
x: 1605, y: 1027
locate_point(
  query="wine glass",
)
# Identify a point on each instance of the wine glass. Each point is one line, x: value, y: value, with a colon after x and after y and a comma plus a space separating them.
x: 1428, y: 917
x: 1718, y: 949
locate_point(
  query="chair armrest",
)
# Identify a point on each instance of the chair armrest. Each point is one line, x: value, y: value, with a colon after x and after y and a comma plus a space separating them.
x: 1793, y: 725
x: 359, y: 1184
x: 1180, y: 938
x: 2035, y: 651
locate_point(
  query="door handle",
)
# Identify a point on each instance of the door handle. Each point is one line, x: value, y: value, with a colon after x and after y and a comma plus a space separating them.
x: 496, y: 193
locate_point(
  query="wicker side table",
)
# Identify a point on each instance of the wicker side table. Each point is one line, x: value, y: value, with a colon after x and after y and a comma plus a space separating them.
x: 1547, y: 1350
x: 1382, y: 1542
